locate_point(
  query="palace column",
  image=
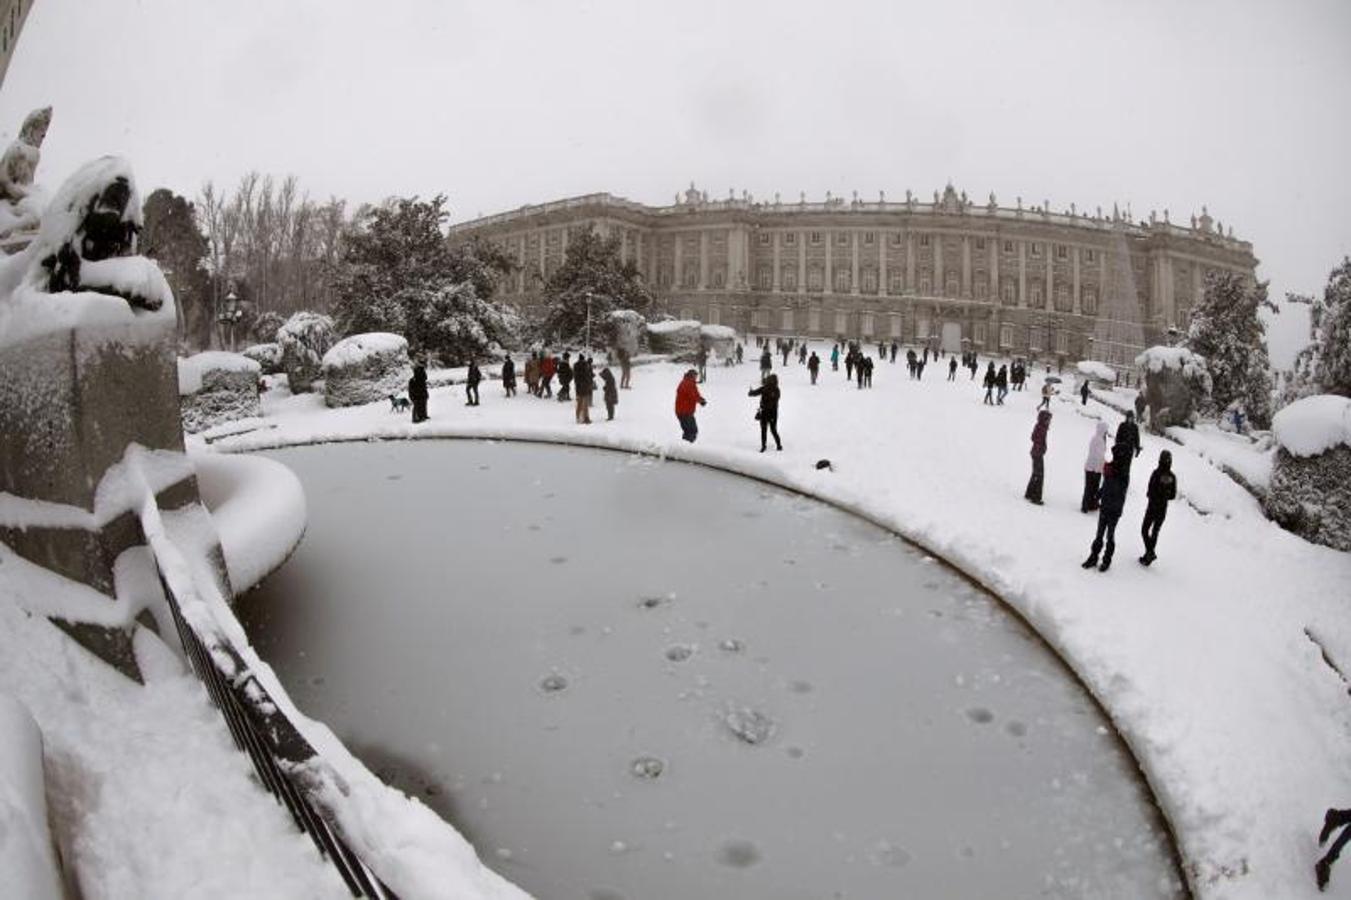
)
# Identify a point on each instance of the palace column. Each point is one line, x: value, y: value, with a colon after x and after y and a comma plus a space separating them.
x: 778, y: 286
x: 853, y: 284
x: 703, y: 259
x: 909, y: 260
x: 994, y: 291
x: 801, y: 261
x: 1074, y: 298
x: 966, y: 266
x: 1022, y: 274
x: 829, y: 286
x: 678, y: 277
x: 939, y: 279
x: 1047, y: 302
x: 883, y: 278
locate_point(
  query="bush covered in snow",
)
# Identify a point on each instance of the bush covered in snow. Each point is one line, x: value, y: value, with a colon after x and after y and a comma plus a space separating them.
x: 216, y: 387
x: 304, y: 340
x: 265, y: 327
x: 266, y: 355
x: 677, y: 338
x: 1096, y: 371
x: 1310, y: 491
x: 1176, y: 385
x: 718, y: 340
x: 365, y: 368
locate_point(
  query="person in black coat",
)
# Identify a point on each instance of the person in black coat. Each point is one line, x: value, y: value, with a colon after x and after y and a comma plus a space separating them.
x: 1162, y: 488
x: 609, y: 393
x: 814, y: 365
x: 1128, y: 433
x: 768, y: 414
x: 417, y: 392
x: 1111, y: 500
x: 989, y: 385
x: 766, y: 362
x: 471, y: 383
x: 1083, y: 393
x: 509, y: 377
x: 564, y: 373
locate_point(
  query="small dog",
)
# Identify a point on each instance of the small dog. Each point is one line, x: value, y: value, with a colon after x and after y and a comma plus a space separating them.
x: 398, y: 404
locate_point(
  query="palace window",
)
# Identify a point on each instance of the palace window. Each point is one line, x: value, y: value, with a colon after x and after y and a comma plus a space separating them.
x: 1062, y: 341
x: 1062, y: 252
x: 1034, y: 248
x: 869, y: 238
x: 814, y: 320
x: 719, y: 277
x: 664, y: 277
x: 1062, y: 297
x: 691, y: 276
x: 790, y: 238
x: 788, y: 278
x: 982, y: 286
x: 1008, y: 246
x: 980, y: 243
x: 1035, y: 296
x: 842, y: 239
x: 842, y: 285
x: 788, y: 320
x: 925, y: 283
x: 924, y: 240
x: 978, y: 334
x: 1035, y: 338
x: 1006, y: 335
x: 952, y: 285
x: 870, y: 281
x: 895, y: 239
x: 815, y: 278
x: 714, y: 316
x: 816, y: 238
x: 897, y: 285
x: 896, y: 325
x: 765, y: 278
x: 866, y: 324
x: 841, y: 322
x: 718, y: 238
x: 1090, y: 301
x: 1090, y: 255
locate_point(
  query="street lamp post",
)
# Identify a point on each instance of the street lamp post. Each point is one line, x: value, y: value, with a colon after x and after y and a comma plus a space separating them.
x: 230, y: 316
x: 588, y: 321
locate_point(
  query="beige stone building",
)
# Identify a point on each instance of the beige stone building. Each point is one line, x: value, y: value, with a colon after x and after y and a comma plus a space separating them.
x: 948, y: 273
x: 12, y: 15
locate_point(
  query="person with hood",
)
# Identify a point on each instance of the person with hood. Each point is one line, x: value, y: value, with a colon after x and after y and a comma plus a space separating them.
x: 417, y: 392
x: 1083, y: 393
x: 989, y: 385
x: 1111, y: 499
x: 472, y: 379
x: 814, y: 365
x: 952, y: 369
x: 609, y: 393
x: 1162, y: 488
x: 564, y: 378
x: 849, y: 365
x: 509, y: 377
x: 835, y: 358
x: 1129, y: 433
x: 1034, y: 484
x: 867, y: 363
x: 768, y: 414
x: 687, y: 400
x: 1001, y: 385
x: 1097, y: 456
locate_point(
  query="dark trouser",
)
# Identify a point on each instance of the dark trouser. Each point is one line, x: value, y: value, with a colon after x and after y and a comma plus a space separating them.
x: 624, y: 373
x: 510, y: 388
x: 1107, y: 529
x: 1149, y: 529
x: 1335, y: 818
x: 1092, y: 481
x: 1033, y: 492
x: 471, y: 392
x: 689, y: 428
x: 546, y: 387
x: 952, y: 374
x: 814, y: 376
x: 769, y: 425
x: 564, y: 390
x: 419, y: 409
x: 989, y: 394
x: 1045, y: 403
x: 609, y: 409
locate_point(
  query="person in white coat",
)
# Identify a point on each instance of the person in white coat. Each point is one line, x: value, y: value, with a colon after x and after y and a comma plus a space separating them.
x: 1097, y: 454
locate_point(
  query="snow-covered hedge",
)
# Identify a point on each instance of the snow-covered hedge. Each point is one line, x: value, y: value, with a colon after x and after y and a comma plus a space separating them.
x: 1096, y: 371
x: 1176, y: 385
x: 1310, y: 491
x: 678, y: 338
x: 216, y: 387
x: 304, y: 340
x: 266, y: 355
x: 1314, y: 425
x: 365, y: 368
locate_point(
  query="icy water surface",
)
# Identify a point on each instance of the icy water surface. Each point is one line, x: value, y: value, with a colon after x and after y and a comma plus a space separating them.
x: 622, y: 678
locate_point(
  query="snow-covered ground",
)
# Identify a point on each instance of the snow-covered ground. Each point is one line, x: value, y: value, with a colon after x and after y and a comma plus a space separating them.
x: 1202, y: 660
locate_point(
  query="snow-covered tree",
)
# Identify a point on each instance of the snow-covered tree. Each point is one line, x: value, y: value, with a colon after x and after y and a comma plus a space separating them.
x: 1330, y: 324
x: 171, y: 237
x: 304, y: 340
x: 265, y: 327
x: 1228, y: 333
x: 592, y: 267
x: 451, y: 322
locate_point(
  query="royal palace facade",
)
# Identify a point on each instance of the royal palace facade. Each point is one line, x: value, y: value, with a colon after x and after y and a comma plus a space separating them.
x: 948, y: 273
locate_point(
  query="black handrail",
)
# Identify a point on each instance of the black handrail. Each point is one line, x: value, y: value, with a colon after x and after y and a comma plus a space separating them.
x: 277, y: 748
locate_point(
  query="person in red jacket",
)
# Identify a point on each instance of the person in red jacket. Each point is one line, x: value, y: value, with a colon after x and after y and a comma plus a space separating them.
x: 688, y: 399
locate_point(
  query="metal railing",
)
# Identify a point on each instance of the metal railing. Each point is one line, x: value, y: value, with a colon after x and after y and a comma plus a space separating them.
x: 276, y: 747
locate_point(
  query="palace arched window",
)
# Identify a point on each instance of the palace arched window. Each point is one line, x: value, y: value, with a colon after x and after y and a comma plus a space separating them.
x: 788, y: 278
x: 869, y: 281
x: 815, y: 278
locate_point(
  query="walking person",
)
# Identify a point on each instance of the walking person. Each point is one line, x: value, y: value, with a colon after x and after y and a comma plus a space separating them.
x: 766, y: 362
x: 417, y: 392
x: 952, y: 369
x: 1093, y: 463
x: 989, y: 385
x: 867, y: 363
x: 1001, y: 385
x: 609, y: 393
x: 584, y: 383
x: 740, y: 353
x: 814, y: 365
x: 768, y: 414
x: 835, y: 358
x: 1333, y: 819
x: 1083, y: 393
x: 702, y: 360
x: 1129, y: 433
x: 471, y: 383
x: 687, y: 400
x: 849, y: 365
x: 858, y: 369
x: 625, y: 367
x: 1034, y: 484
x: 787, y: 349
x: 1047, y: 392
x: 1111, y: 499
x: 564, y: 372
x: 509, y: 377
x: 547, y: 365
x: 532, y: 374
x: 1162, y: 488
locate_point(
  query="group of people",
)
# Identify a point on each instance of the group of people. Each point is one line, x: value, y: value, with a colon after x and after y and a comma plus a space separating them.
x: 1105, y: 486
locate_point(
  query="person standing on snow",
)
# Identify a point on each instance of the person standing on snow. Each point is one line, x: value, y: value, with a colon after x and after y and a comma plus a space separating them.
x: 417, y: 392
x: 1047, y: 392
x: 768, y: 414
x: 585, y: 384
x: 1034, y: 484
x: 814, y: 365
x: 835, y: 358
x: 702, y: 360
x: 1001, y: 385
x: 625, y: 367
x: 989, y: 385
x: 766, y: 362
x: 687, y: 400
x: 849, y: 365
x: 952, y: 369
x: 547, y: 366
x: 1162, y: 488
x: 610, y: 393
x: 1129, y: 433
x: 1093, y: 463
x: 471, y: 383
x: 858, y: 369
x: 532, y: 374
x: 867, y: 363
x: 509, y: 377
x: 564, y: 379
x: 1083, y: 393
x: 1112, y: 499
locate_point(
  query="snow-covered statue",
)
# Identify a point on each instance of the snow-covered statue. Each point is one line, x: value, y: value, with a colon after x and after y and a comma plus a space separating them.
x: 1177, y: 385
x: 20, y: 161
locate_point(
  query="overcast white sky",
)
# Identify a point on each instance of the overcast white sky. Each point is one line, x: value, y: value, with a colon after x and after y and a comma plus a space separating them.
x: 1236, y: 104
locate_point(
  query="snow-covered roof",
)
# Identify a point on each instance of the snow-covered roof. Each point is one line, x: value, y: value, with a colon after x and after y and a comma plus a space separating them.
x: 1158, y: 358
x: 1094, y: 369
x: 353, y: 350
x: 671, y: 326
x: 191, y: 369
x: 1313, y: 425
x: 719, y: 332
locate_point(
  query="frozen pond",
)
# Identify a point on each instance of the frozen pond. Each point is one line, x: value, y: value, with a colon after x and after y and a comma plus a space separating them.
x: 622, y: 678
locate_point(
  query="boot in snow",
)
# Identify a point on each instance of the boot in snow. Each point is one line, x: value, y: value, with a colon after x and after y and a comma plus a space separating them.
x: 1106, y: 564
x: 1090, y: 562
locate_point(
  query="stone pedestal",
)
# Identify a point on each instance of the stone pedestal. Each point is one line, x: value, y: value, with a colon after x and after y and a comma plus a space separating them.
x: 71, y: 401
